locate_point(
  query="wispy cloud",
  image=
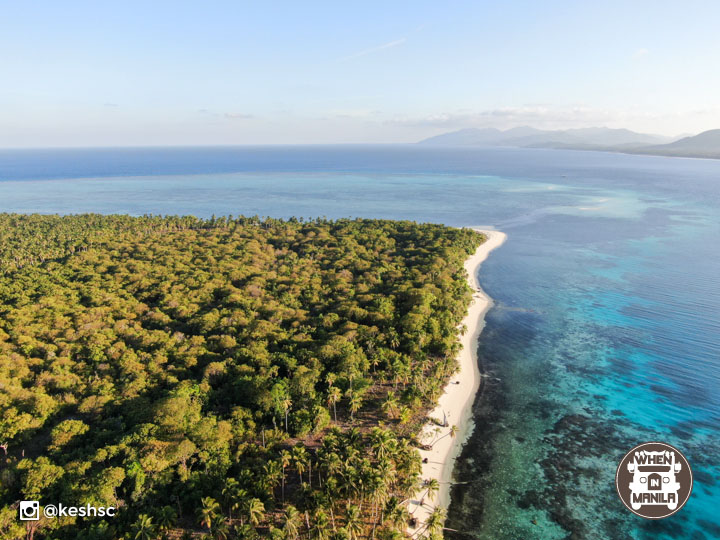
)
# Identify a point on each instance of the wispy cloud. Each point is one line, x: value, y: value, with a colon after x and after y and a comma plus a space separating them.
x: 640, y: 53
x: 364, y: 52
x: 239, y: 116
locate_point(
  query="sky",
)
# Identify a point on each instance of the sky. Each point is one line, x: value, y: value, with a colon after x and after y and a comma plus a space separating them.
x: 137, y: 73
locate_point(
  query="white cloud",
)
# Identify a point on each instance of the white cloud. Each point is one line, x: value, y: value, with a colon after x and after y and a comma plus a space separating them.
x: 640, y: 53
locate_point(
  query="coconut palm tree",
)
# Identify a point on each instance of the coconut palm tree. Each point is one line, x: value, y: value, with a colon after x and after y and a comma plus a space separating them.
x: 452, y: 432
x: 333, y: 397
x: 378, y: 492
x: 209, y: 511
x: 396, y: 512
x: 432, y: 486
x: 220, y: 530
x: 353, y: 523
x: 286, y: 404
x: 144, y: 528
x: 166, y: 518
x: 434, y: 522
x: 381, y: 441
x: 273, y: 474
x: 340, y: 534
x: 355, y: 404
x: 291, y: 523
x: 300, y: 459
x: 237, y: 497
x: 391, y: 534
x: 321, y: 526
x: 255, y: 510
x: 229, y: 493
x: 285, y: 460
x: 390, y: 405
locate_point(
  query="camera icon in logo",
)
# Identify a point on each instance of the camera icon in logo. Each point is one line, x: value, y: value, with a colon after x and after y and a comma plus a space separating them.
x: 29, y: 510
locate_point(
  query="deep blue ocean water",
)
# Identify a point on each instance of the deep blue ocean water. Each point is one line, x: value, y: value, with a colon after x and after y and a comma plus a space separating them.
x: 606, y: 328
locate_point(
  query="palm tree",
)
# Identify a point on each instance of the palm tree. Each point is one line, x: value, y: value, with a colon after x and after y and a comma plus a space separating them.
x: 234, y: 495
x: 244, y: 531
x: 394, y: 341
x: 300, y: 458
x: 435, y: 521
x: 332, y: 463
x: 144, y: 528
x: 166, y: 518
x: 291, y: 523
x: 452, y: 432
x: 220, y: 531
x: 320, y: 525
x: 396, y: 512
x: 355, y: 404
x: 332, y: 398
x: 255, y: 511
x: 209, y: 511
x: 285, y: 460
x: 310, y: 463
x: 341, y: 534
x: 229, y: 492
x: 353, y: 523
x: 390, y: 405
x: 286, y: 404
x: 381, y: 442
x: 273, y: 474
x: 378, y: 492
x: 433, y: 486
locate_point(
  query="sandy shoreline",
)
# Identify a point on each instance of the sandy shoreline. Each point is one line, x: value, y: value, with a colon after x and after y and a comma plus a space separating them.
x: 456, y: 402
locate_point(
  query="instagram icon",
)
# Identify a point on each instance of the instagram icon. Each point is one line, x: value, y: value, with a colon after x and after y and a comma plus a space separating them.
x: 29, y: 510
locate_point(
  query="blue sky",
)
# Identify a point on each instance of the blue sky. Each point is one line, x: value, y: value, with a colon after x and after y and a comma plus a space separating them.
x: 215, y: 72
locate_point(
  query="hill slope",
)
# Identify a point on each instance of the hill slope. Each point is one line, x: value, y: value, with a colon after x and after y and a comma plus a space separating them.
x: 527, y: 136
x: 705, y: 144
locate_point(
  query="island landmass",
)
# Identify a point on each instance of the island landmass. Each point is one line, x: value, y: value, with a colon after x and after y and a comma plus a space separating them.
x: 230, y: 377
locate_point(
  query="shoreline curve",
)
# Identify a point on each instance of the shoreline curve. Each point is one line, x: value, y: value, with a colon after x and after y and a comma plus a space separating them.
x: 455, y: 404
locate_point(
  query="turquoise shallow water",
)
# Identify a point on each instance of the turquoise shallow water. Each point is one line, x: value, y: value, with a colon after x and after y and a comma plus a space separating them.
x: 606, y: 329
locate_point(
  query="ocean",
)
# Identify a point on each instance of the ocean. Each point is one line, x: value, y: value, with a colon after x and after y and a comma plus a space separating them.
x: 606, y: 327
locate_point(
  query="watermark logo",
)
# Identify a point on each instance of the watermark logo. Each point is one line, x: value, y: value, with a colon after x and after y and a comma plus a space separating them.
x: 30, y: 511
x: 654, y: 480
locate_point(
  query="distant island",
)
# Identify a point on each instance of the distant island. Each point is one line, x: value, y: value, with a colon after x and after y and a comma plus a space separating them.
x: 703, y: 145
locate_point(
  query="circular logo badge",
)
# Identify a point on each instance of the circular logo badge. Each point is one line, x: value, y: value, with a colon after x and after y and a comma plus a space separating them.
x: 654, y: 480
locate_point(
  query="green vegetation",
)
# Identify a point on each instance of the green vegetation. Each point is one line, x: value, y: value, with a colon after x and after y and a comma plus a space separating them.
x: 223, y: 378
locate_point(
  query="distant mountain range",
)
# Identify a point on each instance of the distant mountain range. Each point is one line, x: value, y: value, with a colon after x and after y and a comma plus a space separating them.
x: 705, y: 145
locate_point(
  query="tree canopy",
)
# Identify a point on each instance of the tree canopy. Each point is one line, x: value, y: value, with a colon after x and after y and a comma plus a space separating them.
x: 231, y: 377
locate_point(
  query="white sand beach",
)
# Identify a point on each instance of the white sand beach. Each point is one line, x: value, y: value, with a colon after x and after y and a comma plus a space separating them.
x: 455, y: 405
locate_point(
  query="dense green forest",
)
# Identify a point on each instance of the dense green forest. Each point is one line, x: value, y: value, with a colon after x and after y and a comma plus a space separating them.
x: 222, y: 378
